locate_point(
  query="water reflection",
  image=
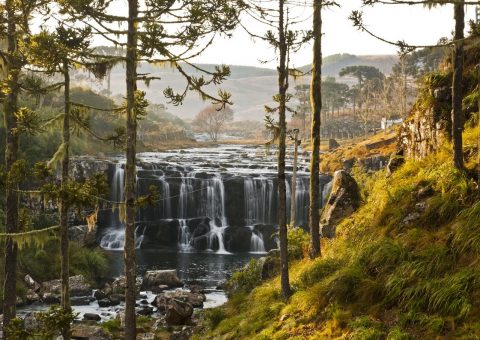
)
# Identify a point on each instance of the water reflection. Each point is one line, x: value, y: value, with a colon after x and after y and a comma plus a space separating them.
x: 204, y: 268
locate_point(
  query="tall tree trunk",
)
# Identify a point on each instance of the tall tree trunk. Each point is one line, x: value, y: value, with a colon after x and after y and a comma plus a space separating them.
x: 63, y: 204
x: 129, y: 246
x: 293, y: 194
x: 316, y: 104
x: 457, y: 92
x: 282, y: 205
x: 11, y: 154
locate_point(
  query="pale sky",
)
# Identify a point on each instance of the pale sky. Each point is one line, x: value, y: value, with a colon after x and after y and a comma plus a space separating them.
x: 414, y: 24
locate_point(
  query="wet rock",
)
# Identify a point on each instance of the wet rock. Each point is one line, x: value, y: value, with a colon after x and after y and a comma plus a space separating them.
x: 80, y: 301
x: 237, y: 239
x: 105, y: 303
x: 145, y: 310
x: 178, y: 312
x: 31, y: 283
x: 50, y: 299
x: 92, y: 317
x: 31, y: 297
x: 343, y: 201
x: 89, y: 332
x: 99, y: 294
x: 154, y: 278
x: 221, y: 285
x: 115, y: 299
x: 197, y: 289
x: 158, y: 289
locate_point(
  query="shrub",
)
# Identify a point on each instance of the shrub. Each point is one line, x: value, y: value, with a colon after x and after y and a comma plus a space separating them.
x: 245, y: 279
x: 318, y: 270
x: 214, y: 316
x: 298, y: 243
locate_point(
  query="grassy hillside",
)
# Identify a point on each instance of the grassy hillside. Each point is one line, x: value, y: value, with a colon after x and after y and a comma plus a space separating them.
x: 251, y: 87
x: 404, y: 266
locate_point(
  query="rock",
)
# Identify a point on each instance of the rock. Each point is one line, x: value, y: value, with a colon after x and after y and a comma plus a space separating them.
x: 343, y: 201
x: 154, y: 278
x: 78, y: 286
x: 158, y: 289
x: 333, y: 144
x: 31, y: 283
x: 162, y: 300
x: 50, y: 299
x: 222, y: 285
x: 178, y: 312
x: 146, y: 336
x: 31, y: 297
x: 89, y: 332
x: 115, y: 299
x: 99, y: 294
x: 145, y: 310
x: 105, y: 303
x: 395, y: 161
x: 270, y: 264
x: 197, y: 289
x: 119, y: 285
x: 80, y: 301
x: 425, y: 192
x: 92, y: 317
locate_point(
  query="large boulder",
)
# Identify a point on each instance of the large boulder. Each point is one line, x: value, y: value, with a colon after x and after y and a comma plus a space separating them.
x: 30, y: 283
x: 344, y: 199
x: 178, y: 312
x: 118, y: 286
x: 195, y: 299
x: 154, y: 278
x: 78, y: 286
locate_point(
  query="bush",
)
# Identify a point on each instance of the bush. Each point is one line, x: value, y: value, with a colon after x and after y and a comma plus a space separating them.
x: 214, y: 316
x: 246, y: 279
x: 298, y: 243
x: 318, y: 270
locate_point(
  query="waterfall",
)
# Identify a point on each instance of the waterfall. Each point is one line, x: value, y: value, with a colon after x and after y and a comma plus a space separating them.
x: 184, y: 237
x: 258, y: 194
x: 166, y: 199
x: 213, y: 206
x: 256, y: 242
x: 301, y: 197
x: 185, y: 196
x: 114, y: 239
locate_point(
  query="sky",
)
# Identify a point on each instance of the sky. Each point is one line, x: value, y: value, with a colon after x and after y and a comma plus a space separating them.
x: 414, y: 24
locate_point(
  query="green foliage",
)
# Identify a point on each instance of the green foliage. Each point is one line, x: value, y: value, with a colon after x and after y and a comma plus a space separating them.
x: 318, y: 270
x: 112, y: 326
x: 298, y: 242
x: 214, y: 316
x: 245, y: 279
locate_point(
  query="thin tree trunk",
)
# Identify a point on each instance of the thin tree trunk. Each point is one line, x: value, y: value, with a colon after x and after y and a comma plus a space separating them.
x: 457, y: 92
x: 11, y: 154
x: 282, y: 211
x: 293, y: 200
x: 129, y: 246
x: 65, y: 298
x: 316, y: 104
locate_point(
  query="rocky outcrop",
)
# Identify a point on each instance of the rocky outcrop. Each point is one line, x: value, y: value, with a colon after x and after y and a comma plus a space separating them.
x: 155, y: 278
x: 194, y: 298
x: 178, y: 312
x: 85, y: 167
x: 79, y: 286
x: 344, y: 199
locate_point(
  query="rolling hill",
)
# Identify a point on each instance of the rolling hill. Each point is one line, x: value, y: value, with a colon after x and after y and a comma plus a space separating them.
x: 251, y: 87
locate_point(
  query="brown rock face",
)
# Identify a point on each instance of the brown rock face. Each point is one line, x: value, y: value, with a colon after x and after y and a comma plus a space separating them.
x: 343, y: 201
x: 178, y: 312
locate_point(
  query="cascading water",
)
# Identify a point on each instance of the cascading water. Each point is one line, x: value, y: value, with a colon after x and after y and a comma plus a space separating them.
x: 214, y: 208
x: 185, y: 238
x: 206, y: 200
x: 257, y: 245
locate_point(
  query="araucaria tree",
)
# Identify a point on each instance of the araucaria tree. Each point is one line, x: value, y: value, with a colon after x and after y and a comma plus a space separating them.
x: 212, y: 120
x: 160, y: 32
x: 457, y: 115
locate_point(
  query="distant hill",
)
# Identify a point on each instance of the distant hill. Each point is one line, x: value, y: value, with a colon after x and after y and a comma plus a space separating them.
x: 251, y: 87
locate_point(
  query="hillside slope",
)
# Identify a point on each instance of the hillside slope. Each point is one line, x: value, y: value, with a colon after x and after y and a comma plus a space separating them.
x: 251, y: 87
